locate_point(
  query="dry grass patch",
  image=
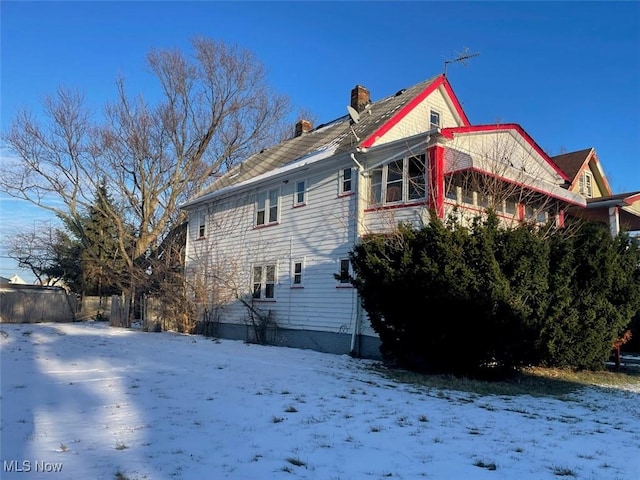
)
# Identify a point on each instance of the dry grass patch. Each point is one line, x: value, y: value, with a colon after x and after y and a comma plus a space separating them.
x: 536, y: 381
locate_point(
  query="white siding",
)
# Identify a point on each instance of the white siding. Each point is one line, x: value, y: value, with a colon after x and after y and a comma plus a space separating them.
x: 320, y: 232
x: 502, y: 153
x: 418, y: 120
x: 387, y: 219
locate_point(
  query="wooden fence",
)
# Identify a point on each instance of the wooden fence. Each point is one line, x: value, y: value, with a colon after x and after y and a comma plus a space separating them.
x: 35, y: 304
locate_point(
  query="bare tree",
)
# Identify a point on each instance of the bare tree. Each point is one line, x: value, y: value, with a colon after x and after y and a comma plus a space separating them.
x: 215, y: 108
x: 496, y: 172
x: 40, y: 250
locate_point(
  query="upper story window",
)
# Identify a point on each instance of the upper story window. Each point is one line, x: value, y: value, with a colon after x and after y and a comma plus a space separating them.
x: 585, y: 184
x: 300, y: 195
x: 267, y: 207
x: 402, y: 180
x: 202, y: 226
x: 346, y: 181
x: 434, y: 119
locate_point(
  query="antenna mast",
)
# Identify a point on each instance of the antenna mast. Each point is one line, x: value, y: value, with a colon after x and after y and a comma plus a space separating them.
x: 461, y: 58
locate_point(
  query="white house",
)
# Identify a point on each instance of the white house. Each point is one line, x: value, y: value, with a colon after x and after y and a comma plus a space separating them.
x: 274, y: 233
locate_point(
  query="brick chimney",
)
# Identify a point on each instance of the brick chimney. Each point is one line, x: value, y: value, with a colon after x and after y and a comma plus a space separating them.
x: 360, y: 98
x: 303, y: 126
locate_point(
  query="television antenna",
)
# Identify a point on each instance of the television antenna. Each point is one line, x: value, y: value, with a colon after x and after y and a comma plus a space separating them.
x: 461, y: 58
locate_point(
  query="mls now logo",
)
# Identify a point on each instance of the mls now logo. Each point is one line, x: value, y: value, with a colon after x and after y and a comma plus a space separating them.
x: 29, y: 466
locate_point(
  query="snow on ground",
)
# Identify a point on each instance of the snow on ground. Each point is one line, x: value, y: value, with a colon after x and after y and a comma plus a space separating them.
x: 107, y: 403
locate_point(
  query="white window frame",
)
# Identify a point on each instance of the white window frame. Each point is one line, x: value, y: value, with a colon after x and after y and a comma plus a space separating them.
x: 202, y: 225
x: 434, y: 114
x: 265, y: 199
x: 263, y: 285
x: 342, y: 178
x: 383, y: 183
x: 300, y: 197
x: 297, y: 275
x: 588, y: 184
x: 344, y: 281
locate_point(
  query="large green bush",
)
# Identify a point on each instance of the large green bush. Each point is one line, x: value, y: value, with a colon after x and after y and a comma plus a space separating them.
x: 464, y: 300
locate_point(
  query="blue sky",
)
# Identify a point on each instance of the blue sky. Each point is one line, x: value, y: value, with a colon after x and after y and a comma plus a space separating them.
x: 567, y: 72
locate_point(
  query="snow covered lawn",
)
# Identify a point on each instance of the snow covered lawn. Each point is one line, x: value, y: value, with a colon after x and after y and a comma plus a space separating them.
x: 104, y: 403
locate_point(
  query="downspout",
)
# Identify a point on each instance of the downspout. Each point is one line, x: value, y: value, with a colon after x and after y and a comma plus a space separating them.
x: 354, y: 350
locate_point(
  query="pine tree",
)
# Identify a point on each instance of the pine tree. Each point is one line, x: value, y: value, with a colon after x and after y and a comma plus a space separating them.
x: 103, y: 268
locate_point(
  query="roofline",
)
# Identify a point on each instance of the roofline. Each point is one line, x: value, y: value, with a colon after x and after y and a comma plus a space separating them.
x: 585, y: 164
x: 565, y: 196
x: 451, y: 131
x: 441, y: 80
x: 619, y: 200
x: 292, y: 166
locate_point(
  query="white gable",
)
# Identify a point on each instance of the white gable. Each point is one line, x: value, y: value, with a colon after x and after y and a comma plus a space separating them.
x: 503, y: 152
x: 418, y: 119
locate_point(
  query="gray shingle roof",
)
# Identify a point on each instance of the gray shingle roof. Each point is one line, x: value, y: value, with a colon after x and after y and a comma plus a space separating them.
x: 338, y: 133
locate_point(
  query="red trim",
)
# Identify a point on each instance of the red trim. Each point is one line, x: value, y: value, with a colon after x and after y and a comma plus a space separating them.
x: 519, y: 184
x: 266, y: 225
x: 454, y: 100
x: 435, y: 193
x: 631, y: 199
x: 450, y: 132
x: 345, y: 194
x: 500, y: 214
x: 404, y: 111
x: 393, y: 206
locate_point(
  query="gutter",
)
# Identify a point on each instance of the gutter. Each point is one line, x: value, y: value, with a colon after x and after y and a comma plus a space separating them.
x: 354, y: 349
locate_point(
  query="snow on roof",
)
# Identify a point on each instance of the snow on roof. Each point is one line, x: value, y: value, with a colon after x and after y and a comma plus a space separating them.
x: 301, y: 162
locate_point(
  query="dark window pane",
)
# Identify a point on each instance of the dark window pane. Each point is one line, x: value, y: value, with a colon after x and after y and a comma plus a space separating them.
x: 269, y: 290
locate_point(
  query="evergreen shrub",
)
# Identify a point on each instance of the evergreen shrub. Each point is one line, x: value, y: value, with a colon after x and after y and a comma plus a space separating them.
x: 469, y: 300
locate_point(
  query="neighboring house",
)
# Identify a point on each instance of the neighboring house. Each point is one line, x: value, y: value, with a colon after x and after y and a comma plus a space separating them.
x: 16, y: 279
x: 620, y: 211
x: 275, y: 232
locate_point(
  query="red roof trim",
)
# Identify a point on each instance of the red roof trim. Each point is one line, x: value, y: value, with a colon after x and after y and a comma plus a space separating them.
x: 404, y: 111
x: 450, y: 132
x: 631, y: 199
x: 454, y: 99
x: 519, y: 184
